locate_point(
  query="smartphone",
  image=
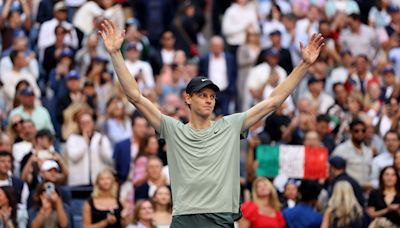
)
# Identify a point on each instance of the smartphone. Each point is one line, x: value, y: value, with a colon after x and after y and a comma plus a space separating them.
x: 49, y: 188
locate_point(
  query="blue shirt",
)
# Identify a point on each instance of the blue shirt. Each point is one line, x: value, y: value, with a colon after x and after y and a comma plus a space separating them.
x: 302, y: 215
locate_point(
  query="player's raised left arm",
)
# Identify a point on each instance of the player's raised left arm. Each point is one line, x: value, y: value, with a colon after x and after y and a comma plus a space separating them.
x: 308, y: 55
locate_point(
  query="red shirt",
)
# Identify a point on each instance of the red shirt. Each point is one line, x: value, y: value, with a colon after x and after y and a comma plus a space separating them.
x: 257, y: 220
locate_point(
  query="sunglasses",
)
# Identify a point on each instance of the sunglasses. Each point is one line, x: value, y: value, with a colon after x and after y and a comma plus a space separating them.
x: 359, y: 130
x: 15, y: 124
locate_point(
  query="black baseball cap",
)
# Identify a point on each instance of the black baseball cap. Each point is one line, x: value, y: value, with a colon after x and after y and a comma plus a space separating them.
x: 200, y: 82
x: 337, y: 162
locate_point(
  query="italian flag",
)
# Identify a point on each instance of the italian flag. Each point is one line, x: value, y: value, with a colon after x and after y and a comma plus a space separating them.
x: 292, y: 161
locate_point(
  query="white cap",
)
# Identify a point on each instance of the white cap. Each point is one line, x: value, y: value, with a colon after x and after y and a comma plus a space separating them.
x: 48, y: 165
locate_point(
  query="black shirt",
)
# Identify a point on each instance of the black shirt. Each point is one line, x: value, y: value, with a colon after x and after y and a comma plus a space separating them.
x: 377, y: 200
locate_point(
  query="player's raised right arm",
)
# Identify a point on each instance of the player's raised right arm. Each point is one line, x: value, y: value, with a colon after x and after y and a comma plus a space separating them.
x: 113, y: 41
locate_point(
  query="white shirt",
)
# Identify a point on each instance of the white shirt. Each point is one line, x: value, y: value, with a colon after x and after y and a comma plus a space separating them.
x: 217, y: 71
x: 47, y: 36
x: 378, y: 163
x: 32, y: 68
x: 85, y: 15
x: 11, y: 78
x: 323, y: 101
x: 135, y: 67
x: 235, y: 21
x: 167, y: 56
x: 19, y: 150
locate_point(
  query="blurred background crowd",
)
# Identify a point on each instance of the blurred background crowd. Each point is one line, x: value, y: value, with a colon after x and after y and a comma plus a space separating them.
x: 75, y: 153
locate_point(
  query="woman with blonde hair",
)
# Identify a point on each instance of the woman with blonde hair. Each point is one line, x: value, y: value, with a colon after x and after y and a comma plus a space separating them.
x: 162, y: 203
x: 264, y: 210
x: 343, y: 208
x: 103, y: 208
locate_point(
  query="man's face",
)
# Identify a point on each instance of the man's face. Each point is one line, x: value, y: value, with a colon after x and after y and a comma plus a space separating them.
x: 203, y: 102
x: 391, y: 142
x: 28, y: 101
x: 358, y: 133
x: 5, y: 164
x: 340, y: 94
x: 73, y: 85
x: 154, y: 169
x: 361, y: 65
x: 29, y: 131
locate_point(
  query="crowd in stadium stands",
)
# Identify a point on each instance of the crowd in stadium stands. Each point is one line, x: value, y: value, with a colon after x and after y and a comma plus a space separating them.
x: 75, y: 153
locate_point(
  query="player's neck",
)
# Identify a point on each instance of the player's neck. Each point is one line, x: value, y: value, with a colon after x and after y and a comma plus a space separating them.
x: 198, y: 122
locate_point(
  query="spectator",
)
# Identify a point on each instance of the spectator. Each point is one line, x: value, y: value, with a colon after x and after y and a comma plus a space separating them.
x: 176, y: 85
x: 5, y: 142
x: 46, y: 33
x: 29, y: 110
x: 15, y: 128
x: 357, y: 155
x: 103, y: 209
x: 85, y: 16
x: 139, y: 69
x: 272, y: 23
x: 386, y: 158
x: 343, y: 208
x: 265, y: 207
x: 186, y: 26
x: 373, y: 140
x: 155, y: 179
x: 162, y: 204
x: 127, y: 150
x: 12, y: 21
x: 118, y: 126
x: 148, y: 147
x: 324, y: 133
x: 383, y: 203
x: 275, y: 123
x: 8, y: 207
x: 49, y: 209
x: 246, y: 57
x: 12, y: 77
x: 32, y: 162
x: 143, y: 215
x: 20, y: 43
x: 6, y: 179
x: 337, y: 172
x: 312, y: 140
x: 64, y: 100
x: 165, y: 55
x: 237, y: 18
x: 259, y: 75
x: 304, y: 214
x: 285, y: 59
x: 390, y: 83
x: 320, y: 100
x: 378, y: 16
x: 290, y: 194
x: 88, y: 152
x: 22, y: 148
x: 54, y: 53
x: 50, y: 171
x: 359, y: 38
x: 220, y: 67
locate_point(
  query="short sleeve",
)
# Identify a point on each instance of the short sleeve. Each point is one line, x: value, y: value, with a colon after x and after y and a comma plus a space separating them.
x: 373, y: 199
x: 249, y: 210
x: 237, y: 121
x: 167, y: 126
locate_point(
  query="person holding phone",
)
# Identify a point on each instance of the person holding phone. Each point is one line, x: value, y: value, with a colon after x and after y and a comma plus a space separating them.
x: 49, y: 210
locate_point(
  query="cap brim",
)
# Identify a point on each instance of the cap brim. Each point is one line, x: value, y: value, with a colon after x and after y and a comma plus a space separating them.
x: 209, y: 84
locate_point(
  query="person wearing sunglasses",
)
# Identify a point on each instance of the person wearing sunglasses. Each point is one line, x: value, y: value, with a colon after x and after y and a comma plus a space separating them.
x: 358, y: 156
x: 15, y: 128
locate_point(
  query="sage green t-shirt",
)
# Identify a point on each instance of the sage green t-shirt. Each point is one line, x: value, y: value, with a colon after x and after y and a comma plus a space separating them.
x: 204, y: 165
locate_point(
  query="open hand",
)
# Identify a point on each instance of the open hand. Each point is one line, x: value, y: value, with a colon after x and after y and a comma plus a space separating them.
x: 112, y: 39
x: 310, y: 53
